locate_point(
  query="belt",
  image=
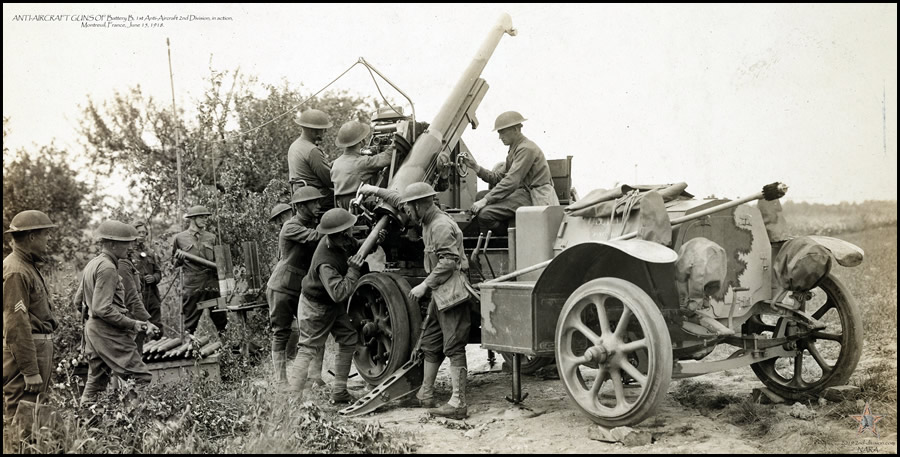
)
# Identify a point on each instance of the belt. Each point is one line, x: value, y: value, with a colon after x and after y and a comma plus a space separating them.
x: 42, y: 336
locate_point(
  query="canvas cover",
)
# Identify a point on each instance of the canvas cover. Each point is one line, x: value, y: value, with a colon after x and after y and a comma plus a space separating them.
x: 801, y: 263
x: 699, y: 271
x: 654, y: 220
x: 605, y: 202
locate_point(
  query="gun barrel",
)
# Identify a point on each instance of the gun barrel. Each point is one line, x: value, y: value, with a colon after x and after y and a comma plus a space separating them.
x: 430, y: 143
x: 445, y: 129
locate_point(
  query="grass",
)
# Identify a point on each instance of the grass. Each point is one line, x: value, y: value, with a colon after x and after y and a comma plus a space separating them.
x: 878, y: 387
x: 702, y: 395
x: 817, y: 219
x: 878, y: 383
x: 239, y: 415
x: 874, y: 285
x: 799, y: 437
x: 755, y: 418
x: 205, y: 417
